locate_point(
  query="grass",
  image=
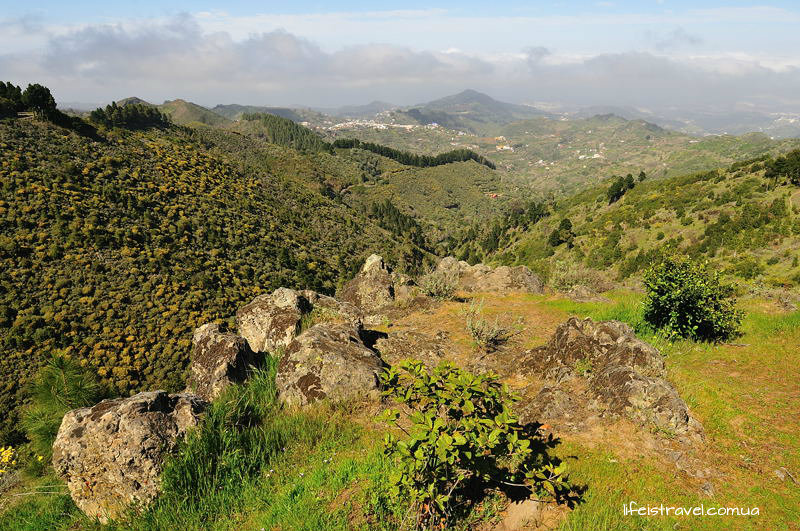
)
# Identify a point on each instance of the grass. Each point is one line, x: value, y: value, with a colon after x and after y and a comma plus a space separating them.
x: 746, y: 397
x: 237, y: 475
x: 250, y: 465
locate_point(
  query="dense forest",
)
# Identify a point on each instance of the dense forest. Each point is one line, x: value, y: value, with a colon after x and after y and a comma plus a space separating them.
x: 414, y: 159
x: 132, y: 116
x: 285, y: 132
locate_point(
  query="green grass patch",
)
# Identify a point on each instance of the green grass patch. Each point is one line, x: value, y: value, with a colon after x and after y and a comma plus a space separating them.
x: 250, y: 464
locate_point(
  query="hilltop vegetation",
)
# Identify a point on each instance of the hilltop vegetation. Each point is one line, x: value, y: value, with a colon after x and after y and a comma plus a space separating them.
x: 285, y: 132
x: 744, y: 220
x: 113, y: 251
x: 130, y: 116
x: 184, y: 112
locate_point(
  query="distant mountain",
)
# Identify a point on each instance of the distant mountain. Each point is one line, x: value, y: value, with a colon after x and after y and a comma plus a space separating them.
x: 472, y: 111
x: 184, y: 112
x: 133, y: 100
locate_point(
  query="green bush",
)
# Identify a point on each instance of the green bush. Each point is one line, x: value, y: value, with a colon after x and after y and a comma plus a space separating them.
x: 463, y: 439
x: 686, y: 300
x: 438, y: 285
x: 61, y: 385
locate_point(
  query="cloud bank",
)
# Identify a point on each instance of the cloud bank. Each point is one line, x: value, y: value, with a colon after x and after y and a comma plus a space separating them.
x: 181, y: 57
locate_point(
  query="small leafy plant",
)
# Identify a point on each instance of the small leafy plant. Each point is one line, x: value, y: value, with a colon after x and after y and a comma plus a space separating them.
x: 462, y: 441
x: 686, y: 300
x: 488, y: 334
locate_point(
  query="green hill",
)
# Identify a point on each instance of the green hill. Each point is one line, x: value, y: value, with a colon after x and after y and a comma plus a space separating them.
x: 444, y: 198
x: 235, y: 112
x: 184, y: 112
x: 744, y: 220
x: 113, y: 251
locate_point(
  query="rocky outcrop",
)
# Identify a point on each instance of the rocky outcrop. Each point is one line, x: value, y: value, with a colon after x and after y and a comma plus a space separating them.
x: 404, y: 345
x: 372, y: 289
x: 111, y: 455
x: 328, y: 360
x: 624, y: 376
x: 218, y: 360
x: 482, y: 278
x: 271, y: 322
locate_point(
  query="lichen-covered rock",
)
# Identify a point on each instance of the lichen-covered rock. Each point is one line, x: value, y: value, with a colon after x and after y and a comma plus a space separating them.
x: 372, y: 288
x: 270, y: 322
x: 403, y: 345
x: 624, y: 375
x: 218, y: 360
x: 328, y: 360
x: 482, y: 278
x: 111, y: 455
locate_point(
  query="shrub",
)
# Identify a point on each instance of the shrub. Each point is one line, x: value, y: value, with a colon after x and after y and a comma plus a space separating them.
x: 565, y: 275
x: 686, y: 300
x: 61, y: 385
x: 463, y: 439
x: 438, y: 285
x: 489, y: 334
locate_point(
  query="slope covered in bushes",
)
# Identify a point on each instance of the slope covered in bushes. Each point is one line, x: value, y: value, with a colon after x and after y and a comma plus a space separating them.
x: 745, y: 220
x: 113, y: 251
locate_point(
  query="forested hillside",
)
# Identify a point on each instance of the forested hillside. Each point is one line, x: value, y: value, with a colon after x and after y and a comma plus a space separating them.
x: 113, y: 251
x: 744, y: 219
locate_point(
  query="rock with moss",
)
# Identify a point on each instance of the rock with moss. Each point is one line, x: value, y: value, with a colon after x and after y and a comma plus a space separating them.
x: 270, y: 322
x: 329, y: 360
x: 624, y: 376
x: 218, y: 361
x: 372, y: 289
x: 111, y: 455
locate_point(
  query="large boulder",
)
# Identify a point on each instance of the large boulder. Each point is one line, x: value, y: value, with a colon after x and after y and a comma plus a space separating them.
x: 111, y: 455
x: 270, y: 322
x: 482, y: 278
x: 624, y: 376
x: 218, y: 360
x: 372, y: 288
x: 328, y: 360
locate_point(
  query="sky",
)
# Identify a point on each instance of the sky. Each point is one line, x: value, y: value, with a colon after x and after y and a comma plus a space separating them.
x: 650, y: 54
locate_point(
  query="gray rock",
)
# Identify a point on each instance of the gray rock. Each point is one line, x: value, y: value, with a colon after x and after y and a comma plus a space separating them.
x: 624, y: 374
x: 271, y: 322
x: 218, y: 360
x: 328, y: 360
x: 111, y: 455
x: 482, y: 278
x: 372, y: 289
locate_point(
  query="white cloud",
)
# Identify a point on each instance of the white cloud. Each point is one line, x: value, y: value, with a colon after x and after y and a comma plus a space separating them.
x: 189, y: 57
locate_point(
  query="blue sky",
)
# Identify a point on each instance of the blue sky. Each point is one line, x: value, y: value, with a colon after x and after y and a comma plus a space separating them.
x: 646, y: 53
